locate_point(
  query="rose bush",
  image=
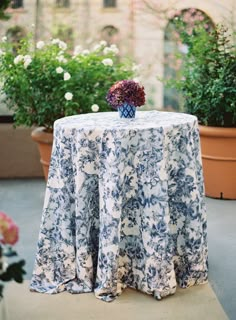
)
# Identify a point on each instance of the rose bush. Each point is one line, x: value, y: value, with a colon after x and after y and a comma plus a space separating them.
x: 48, y: 82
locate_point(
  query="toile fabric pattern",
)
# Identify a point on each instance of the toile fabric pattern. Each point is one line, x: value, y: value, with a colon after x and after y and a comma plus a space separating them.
x: 124, y: 206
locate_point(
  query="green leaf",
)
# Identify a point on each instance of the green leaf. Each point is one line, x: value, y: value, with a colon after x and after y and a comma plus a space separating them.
x: 14, y: 271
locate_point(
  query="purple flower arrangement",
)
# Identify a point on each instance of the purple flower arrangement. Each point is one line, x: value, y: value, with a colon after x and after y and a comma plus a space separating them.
x: 126, y: 91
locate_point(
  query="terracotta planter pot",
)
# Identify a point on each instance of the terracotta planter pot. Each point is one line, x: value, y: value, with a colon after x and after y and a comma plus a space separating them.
x: 218, y: 146
x: 44, y: 140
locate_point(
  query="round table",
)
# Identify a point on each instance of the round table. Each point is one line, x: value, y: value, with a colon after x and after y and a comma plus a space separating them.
x: 124, y: 206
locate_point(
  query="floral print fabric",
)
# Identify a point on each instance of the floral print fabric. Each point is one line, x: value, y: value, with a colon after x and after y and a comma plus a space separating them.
x: 124, y: 206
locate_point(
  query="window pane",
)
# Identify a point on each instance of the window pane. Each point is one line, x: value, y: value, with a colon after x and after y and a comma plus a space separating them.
x: 62, y: 3
x: 109, y: 3
x: 17, y: 4
x: 110, y: 34
x: 64, y: 33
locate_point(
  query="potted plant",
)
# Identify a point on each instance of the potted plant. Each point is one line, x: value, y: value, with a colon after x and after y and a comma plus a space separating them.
x: 9, y: 234
x: 125, y: 96
x: 208, y: 86
x: 49, y: 81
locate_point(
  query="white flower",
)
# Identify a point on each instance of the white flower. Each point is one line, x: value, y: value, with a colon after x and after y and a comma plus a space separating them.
x: 85, y: 52
x: 106, y: 50
x: 27, y: 61
x: 27, y: 57
x: 55, y: 41
x: 97, y: 47
x: 103, y: 43
x: 4, y: 39
x: 59, y: 70
x: 77, y: 50
x: 61, y: 59
x: 112, y: 49
x: 116, y: 50
x: 18, y: 59
x: 95, y: 108
x: 62, y: 45
x: 67, y: 76
x: 107, y: 62
x: 40, y: 44
x: 1, y: 52
x: 68, y: 96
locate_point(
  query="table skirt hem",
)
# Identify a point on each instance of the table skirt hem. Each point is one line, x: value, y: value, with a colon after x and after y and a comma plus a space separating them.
x: 104, y: 295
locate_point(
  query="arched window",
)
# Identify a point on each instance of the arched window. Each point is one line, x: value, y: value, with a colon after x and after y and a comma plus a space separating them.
x: 17, y: 4
x: 174, y: 50
x: 62, y: 3
x: 109, y: 3
x: 65, y: 33
x: 110, y: 34
x: 14, y: 35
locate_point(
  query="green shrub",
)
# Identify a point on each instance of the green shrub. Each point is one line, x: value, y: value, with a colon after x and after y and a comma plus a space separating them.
x: 208, y: 76
x: 49, y: 82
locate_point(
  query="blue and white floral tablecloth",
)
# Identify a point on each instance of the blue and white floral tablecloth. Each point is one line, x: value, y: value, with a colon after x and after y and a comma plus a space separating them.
x: 124, y: 206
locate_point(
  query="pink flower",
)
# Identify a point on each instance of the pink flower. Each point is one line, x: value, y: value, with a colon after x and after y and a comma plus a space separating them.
x: 9, y: 231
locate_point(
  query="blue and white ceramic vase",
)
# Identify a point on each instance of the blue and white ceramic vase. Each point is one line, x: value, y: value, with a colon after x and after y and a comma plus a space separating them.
x: 126, y: 111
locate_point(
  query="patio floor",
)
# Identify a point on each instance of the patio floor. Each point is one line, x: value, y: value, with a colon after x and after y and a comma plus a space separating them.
x: 23, y: 200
